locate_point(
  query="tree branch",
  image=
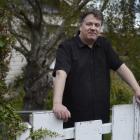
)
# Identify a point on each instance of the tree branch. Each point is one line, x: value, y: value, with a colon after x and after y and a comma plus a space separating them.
x: 22, y: 45
x: 13, y: 9
x: 76, y: 4
x: 15, y: 33
x: 82, y: 4
x: 21, y: 50
x: 104, y: 5
x: 37, y: 11
x: 21, y: 36
x: 57, y: 35
x: 19, y: 13
x: 17, y: 37
x: 26, y: 19
x: 32, y: 5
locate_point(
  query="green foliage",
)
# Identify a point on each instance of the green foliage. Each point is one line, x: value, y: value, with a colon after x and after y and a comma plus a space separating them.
x: 2, y: 44
x: 5, y: 40
x: 120, y: 92
x: 70, y: 19
x: 49, y: 100
x: 51, y: 3
x: 18, y: 87
x: 3, y: 62
x: 125, y: 40
x: 41, y: 133
x: 127, y: 45
x: 107, y: 137
x: 2, y: 3
x: 10, y: 121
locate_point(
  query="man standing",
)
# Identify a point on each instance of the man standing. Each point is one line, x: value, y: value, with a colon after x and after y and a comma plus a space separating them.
x: 82, y: 74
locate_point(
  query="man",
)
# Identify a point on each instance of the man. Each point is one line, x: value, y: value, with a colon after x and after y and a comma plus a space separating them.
x: 82, y: 74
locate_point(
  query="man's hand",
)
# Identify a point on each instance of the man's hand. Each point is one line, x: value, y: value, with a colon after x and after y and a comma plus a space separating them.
x: 137, y: 95
x: 61, y: 112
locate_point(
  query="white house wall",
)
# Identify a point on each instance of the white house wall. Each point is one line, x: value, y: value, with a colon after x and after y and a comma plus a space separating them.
x: 17, y: 62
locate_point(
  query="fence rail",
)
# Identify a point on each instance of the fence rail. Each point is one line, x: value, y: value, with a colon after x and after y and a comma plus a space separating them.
x: 125, y: 125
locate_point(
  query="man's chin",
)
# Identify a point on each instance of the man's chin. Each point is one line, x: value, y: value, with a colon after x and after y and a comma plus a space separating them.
x: 92, y: 39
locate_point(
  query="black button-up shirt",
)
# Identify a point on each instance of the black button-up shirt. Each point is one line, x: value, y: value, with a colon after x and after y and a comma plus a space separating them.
x: 87, y: 87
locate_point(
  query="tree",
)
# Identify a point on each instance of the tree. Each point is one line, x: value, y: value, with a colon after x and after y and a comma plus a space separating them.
x: 37, y: 42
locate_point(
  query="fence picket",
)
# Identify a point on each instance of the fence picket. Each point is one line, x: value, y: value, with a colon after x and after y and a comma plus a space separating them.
x: 90, y: 130
x: 136, y: 120
x: 47, y: 120
x: 123, y: 122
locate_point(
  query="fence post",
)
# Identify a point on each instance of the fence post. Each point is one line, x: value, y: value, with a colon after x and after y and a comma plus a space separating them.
x: 90, y: 130
x: 123, y: 122
x: 136, y: 120
x: 25, y: 134
x: 47, y: 119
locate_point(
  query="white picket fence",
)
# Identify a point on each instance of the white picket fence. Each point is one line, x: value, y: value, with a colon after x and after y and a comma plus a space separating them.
x: 125, y: 125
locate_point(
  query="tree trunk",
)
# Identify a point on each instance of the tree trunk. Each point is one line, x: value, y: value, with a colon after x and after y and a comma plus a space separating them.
x: 36, y: 86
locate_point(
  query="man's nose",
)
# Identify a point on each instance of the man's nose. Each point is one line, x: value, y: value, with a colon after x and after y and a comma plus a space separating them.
x: 93, y: 27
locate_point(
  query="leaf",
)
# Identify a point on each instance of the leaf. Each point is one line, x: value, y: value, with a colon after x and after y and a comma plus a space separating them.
x: 2, y: 44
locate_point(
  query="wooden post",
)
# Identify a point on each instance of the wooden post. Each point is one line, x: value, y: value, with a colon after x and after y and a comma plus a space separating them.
x: 123, y: 122
x: 136, y: 120
x: 90, y: 130
x: 46, y: 119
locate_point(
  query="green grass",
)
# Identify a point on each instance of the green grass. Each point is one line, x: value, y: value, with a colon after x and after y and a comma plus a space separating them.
x: 107, y: 137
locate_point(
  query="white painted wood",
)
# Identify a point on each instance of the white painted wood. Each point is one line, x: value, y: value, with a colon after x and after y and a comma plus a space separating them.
x: 17, y: 62
x: 69, y: 133
x: 49, y: 121
x: 136, y: 120
x: 125, y: 125
x: 90, y: 130
x: 106, y: 128
x: 25, y: 134
x: 122, y: 122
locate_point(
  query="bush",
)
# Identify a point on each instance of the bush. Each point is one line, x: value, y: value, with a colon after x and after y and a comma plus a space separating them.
x: 120, y: 92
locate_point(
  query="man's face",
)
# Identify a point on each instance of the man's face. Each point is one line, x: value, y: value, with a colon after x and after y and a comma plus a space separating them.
x: 90, y: 28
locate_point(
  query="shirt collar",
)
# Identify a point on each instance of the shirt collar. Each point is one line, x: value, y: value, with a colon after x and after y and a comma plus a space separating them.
x: 81, y: 44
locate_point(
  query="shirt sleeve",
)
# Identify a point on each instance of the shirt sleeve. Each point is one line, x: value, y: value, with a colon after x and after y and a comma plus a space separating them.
x: 112, y: 57
x: 63, y: 59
